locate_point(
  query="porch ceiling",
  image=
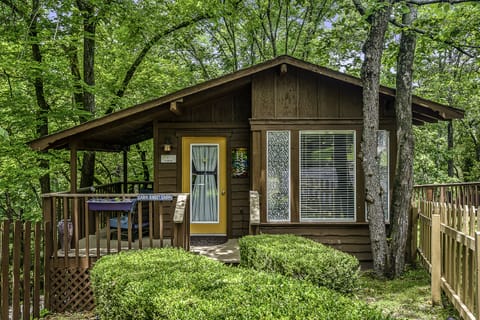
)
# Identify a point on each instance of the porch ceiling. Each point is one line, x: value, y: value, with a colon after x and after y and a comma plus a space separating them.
x: 117, y: 131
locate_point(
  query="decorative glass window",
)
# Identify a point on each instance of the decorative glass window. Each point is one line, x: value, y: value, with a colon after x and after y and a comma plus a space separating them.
x: 383, y: 154
x: 278, y: 176
x: 327, y: 175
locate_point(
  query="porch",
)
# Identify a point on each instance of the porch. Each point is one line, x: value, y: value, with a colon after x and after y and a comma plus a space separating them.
x: 80, y: 228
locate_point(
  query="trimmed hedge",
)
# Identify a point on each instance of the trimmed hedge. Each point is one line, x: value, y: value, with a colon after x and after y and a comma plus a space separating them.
x: 174, y: 284
x: 301, y: 258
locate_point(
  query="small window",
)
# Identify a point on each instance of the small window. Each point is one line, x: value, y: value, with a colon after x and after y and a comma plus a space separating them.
x: 278, y: 175
x: 327, y: 175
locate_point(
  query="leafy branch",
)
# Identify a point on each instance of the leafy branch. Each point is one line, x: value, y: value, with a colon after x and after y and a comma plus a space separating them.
x: 133, y: 68
x: 433, y: 37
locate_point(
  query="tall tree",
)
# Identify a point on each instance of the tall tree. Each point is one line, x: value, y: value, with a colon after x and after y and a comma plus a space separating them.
x: 89, y: 18
x: 403, y: 181
x: 378, y: 18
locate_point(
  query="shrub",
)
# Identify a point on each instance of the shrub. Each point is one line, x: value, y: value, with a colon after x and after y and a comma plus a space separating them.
x: 301, y: 258
x: 174, y: 284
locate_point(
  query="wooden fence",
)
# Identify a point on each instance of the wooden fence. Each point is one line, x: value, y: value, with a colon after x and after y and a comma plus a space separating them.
x: 47, y: 264
x: 448, y: 243
x: 21, y: 266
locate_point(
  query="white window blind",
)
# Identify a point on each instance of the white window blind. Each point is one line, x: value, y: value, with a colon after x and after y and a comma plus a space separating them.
x: 278, y: 175
x: 327, y: 175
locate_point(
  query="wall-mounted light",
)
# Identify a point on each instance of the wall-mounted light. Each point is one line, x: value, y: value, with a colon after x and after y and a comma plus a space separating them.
x: 167, y: 146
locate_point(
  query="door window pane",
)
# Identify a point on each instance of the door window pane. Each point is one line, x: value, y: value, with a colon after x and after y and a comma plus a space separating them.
x: 278, y: 175
x: 204, y: 183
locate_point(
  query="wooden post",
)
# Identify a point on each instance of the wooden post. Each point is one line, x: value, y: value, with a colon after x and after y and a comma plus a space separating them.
x: 413, y: 234
x: 48, y: 205
x: 429, y: 194
x: 156, y: 180
x: 73, y: 169
x: 4, y: 264
x: 37, y: 271
x: 477, y: 266
x: 442, y: 194
x: 254, y: 212
x: 436, y: 258
x: 179, y: 221
x: 125, y: 171
x: 26, y: 269
x: 17, y: 234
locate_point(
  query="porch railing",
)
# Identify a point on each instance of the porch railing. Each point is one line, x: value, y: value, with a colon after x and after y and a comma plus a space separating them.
x: 454, y: 193
x: 81, y: 228
x: 124, y: 187
x: 446, y: 220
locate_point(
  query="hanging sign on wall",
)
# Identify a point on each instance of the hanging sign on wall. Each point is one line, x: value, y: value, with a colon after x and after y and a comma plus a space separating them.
x: 240, y: 162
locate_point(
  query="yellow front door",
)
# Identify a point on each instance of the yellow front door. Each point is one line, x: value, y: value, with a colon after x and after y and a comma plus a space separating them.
x: 204, y: 176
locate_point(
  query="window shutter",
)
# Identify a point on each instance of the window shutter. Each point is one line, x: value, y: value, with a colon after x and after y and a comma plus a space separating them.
x: 327, y: 175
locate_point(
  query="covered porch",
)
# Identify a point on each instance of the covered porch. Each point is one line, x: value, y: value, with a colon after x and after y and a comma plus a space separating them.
x: 80, y: 228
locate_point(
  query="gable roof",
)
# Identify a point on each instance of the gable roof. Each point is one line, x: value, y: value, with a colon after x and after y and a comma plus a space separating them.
x: 123, y: 128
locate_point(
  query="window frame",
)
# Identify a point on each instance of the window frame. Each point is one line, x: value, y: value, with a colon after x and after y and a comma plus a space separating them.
x: 289, y: 177
x: 354, y: 161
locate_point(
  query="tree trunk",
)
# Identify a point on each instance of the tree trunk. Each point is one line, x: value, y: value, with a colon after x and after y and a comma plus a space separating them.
x: 88, y: 168
x: 143, y: 158
x: 403, y: 181
x: 42, y: 115
x: 89, y: 25
x: 373, y: 49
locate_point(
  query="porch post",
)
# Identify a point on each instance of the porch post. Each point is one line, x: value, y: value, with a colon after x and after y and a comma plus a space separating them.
x: 73, y: 168
x: 156, y: 181
x: 125, y: 170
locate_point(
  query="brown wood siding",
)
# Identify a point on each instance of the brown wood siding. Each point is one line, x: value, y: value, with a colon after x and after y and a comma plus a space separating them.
x: 350, y: 238
x: 299, y: 94
x: 308, y: 96
x: 225, y: 116
x: 239, y: 210
x: 231, y: 108
x: 263, y: 96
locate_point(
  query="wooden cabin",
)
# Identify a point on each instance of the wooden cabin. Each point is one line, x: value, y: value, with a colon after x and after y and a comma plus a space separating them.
x: 285, y: 129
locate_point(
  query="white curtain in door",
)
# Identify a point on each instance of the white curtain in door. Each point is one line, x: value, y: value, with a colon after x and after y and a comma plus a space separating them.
x: 204, y: 189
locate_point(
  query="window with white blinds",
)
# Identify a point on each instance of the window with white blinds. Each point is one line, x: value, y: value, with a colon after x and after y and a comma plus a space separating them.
x: 278, y: 175
x: 327, y: 175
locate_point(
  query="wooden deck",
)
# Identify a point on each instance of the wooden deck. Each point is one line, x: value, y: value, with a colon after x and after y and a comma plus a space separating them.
x: 81, y: 228
x: 228, y: 252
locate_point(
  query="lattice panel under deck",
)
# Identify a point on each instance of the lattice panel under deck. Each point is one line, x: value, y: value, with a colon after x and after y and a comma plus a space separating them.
x: 71, y: 290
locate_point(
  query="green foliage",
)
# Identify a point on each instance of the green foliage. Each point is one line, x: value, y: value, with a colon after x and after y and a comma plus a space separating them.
x: 174, y: 284
x: 301, y: 258
x: 407, y: 297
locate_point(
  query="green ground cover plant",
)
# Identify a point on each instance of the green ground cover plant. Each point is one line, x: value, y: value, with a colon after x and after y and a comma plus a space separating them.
x: 174, y: 284
x: 407, y: 297
x: 301, y: 258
